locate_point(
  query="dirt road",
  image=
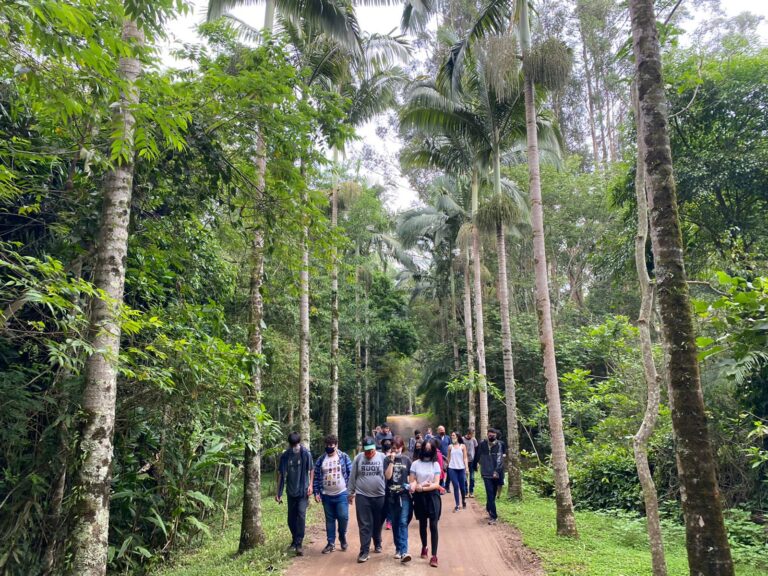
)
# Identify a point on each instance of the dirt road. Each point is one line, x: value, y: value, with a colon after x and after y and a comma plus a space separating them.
x: 405, y: 425
x: 467, y: 546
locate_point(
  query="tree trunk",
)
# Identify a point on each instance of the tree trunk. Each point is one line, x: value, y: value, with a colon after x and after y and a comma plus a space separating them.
x: 515, y: 486
x: 251, y: 529
x: 566, y: 521
x: 706, y: 539
x: 479, y: 324
x: 91, y: 528
x: 454, y: 324
x: 470, y: 340
x: 304, y: 413
x: 652, y: 380
x: 358, y: 358
x: 334, y: 425
x: 590, y: 102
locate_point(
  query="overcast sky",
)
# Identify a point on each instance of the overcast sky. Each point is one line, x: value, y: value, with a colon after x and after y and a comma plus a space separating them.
x: 384, y: 19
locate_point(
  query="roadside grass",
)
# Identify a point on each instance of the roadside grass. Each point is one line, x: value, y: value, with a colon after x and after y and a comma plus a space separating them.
x: 217, y: 554
x: 608, y: 545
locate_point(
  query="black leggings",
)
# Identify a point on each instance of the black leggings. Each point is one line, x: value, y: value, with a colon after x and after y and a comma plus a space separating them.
x: 432, y: 532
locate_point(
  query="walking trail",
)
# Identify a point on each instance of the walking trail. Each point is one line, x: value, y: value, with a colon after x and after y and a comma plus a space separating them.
x: 468, y: 545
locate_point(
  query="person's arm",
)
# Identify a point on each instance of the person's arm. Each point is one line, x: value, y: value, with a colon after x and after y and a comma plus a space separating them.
x: 280, y: 479
x: 317, y: 483
x: 353, y: 479
x: 466, y: 459
x: 476, y: 459
x: 412, y: 481
x: 389, y: 466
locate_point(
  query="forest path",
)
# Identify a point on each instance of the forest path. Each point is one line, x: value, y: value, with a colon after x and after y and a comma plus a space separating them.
x: 468, y: 545
x: 405, y: 425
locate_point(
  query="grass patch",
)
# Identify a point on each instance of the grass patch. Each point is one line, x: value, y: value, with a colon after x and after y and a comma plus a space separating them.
x: 608, y: 545
x: 217, y: 554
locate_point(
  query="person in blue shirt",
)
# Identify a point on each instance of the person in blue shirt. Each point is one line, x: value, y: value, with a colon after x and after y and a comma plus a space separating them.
x: 332, y: 471
x: 444, y: 441
x: 295, y: 475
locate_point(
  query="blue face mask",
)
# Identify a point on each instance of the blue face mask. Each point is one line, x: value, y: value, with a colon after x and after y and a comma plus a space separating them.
x: 330, y: 449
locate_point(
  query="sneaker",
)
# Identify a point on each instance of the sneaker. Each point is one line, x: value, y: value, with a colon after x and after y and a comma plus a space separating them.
x: 424, y: 553
x: 492, y: 522
x: 299, y: 551
x: 433, y: 561
x: 363, y: 557
x: 344, y: 545
x: 456, y: 509
x: 398, y: 556
x: 405, y: 558
x: 470, y: 495
x: 377, y: 549
x: 291, y: 548
x: 389, y: 525
x: 328, y: 548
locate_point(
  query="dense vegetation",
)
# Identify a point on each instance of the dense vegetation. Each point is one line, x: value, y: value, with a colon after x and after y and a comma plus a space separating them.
x: 264, y: 284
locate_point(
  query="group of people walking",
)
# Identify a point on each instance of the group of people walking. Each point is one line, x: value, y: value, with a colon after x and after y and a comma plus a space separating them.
x: 388, y: 483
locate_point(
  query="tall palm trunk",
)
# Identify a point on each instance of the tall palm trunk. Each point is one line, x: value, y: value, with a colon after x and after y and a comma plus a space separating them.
x: 89, y: 534
x: 515, y: 486
x: 652, y: 380
x: 454, y: 322
x: 358, y: 357
x: 706, y: 539
x: 470, y: 339
x: 304, y: 413
x: 251, y: 528
x: 566, y: 520
x: 479, y: 324
x: 334, y: 424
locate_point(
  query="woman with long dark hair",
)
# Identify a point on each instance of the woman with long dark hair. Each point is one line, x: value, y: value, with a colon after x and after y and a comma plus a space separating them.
x: 425, y: 486
x: 458, y: 469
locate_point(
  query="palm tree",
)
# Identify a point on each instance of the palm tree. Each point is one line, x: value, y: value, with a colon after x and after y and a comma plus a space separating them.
x: 547, y: 66
x: 706, y: 538
x: 91, y: 527
x: 489, y: 112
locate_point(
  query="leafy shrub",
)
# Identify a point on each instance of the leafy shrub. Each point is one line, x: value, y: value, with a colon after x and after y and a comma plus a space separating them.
x: 749, y: 540
x: 542, y: 478
x: 606, y: 479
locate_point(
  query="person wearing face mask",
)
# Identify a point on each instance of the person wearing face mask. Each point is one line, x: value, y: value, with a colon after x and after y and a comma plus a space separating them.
x: 332, y: 472
x: 399, y: 497
x: 490, y: 457
x: 425, y: 485
x: 367, y: 486
x: 295, y: 474
x: 386, y: 448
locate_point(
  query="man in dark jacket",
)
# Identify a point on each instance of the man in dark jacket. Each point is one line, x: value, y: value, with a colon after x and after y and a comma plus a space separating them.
x: 490, y: 456
x: 295, y: 473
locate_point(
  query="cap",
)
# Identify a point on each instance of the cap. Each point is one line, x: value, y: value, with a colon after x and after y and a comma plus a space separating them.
x: 369, y: 443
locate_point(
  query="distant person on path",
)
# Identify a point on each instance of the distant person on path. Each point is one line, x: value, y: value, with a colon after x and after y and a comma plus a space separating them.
x: 399, y: 497
x: 443, y: 442
x: 442, y: 462
x: 384, y: 434
x: 332, y: 472
x: 490, y: 457
x: 367, y: 485
x: 412, y: 442
x: 470, y: 443
x: 425, y: 486
x: 295, y: 474
x: 429, y: 435
x: 458, y: 469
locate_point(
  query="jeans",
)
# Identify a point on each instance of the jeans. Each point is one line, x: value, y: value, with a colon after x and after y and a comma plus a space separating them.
x: 399, y: 509
x: 336, y: 510
x: 370, y: 519
x: 470, y: 487
x: 490, y: 493
x: 297, y: 518
x: 458, y: 477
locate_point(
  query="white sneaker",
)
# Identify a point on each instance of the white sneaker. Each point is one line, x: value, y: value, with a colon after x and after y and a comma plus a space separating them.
x: 397, y: 556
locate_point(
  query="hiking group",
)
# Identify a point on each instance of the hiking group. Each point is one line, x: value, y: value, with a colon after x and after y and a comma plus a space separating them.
x: 389, y: 484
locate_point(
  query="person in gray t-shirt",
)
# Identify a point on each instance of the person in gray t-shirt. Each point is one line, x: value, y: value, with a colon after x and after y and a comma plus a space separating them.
x: 367, y: 486
x: 471, y: 443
